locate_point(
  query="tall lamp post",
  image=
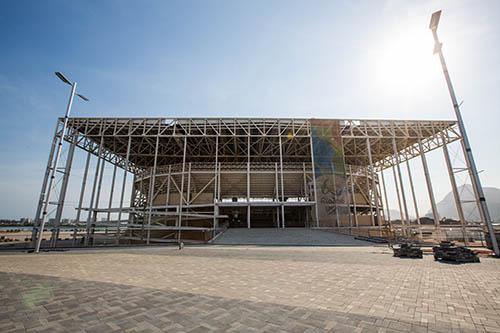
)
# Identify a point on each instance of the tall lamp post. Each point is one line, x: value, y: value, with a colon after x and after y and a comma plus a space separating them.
x: 469, y: 158
x: 53, y: 168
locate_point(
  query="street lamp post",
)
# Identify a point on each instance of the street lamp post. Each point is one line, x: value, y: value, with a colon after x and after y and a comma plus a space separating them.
x: 46, y: 201
x: 476, y: 182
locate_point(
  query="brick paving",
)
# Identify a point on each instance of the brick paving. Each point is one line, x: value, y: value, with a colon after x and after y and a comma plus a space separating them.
x: 245, y: 289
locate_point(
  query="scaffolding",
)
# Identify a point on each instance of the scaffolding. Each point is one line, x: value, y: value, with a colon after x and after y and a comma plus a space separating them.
x: 190, y: 178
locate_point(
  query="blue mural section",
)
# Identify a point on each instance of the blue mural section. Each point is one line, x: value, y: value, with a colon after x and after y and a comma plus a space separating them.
x: 330, y: 171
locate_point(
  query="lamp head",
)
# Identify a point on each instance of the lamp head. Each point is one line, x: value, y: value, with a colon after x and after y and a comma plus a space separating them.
x: 63, y: 78
x: 433, y: 25
x: 83, y: 97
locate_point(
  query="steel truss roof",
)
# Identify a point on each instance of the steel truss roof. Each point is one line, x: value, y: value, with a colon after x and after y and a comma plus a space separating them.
x: 259, y: 138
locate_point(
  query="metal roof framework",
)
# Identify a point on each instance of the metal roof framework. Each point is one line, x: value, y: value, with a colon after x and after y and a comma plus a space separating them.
x: 264, y: 133
x: 266, y: 161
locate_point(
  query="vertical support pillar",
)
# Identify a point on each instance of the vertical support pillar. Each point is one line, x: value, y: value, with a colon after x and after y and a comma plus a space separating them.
x: 99, y: 186
x: 248, y: 181
x: 374, y: 186
x: 111, y: 192
x: 135, y: 192
x: 44, y: 186
x: 218, y: 183
x: 181, y: 197
x: 122, y: 195
x: 282, y: 182
x: 94, y: 187
x: 369, y: 197
x: 403, y: 196
x: 400, y: 206
x: 152, y: 180
x: 380, y: 200
x: 216, y: 180
x: 435, y: 213
x: 46, y: 190
x: 314, y: 177
x: 82, y: 189
x: 353, y: 195
x: 386, y: 201
x: 167, y: 195
x: 146, y: 201
x: 82, y: 194
x: 337, y: 218
x: 304, y: 175
x: 188, y: 190
x: 454, y: 188
x: 306, y: 194
x: 62, y: 193
x: 348, y: 204
x: 98, y: 196
x: 276, y: 190
x: 415, y: 205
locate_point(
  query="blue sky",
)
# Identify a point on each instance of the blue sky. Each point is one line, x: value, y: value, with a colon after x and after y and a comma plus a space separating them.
x: 336, y: 59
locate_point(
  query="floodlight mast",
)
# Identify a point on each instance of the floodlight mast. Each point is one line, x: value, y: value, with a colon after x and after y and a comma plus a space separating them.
x: 45, y: 197
x: 469, y: 158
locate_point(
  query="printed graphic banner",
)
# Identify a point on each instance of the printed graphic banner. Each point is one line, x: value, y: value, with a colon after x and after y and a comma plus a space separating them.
x: 329, y: 168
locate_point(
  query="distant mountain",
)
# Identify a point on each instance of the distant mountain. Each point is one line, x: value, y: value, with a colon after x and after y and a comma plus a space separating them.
x: 446, y: 207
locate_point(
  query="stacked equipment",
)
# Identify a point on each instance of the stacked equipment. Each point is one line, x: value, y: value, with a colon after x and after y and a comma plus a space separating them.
x: 447, y: 251
x: 408, y: 250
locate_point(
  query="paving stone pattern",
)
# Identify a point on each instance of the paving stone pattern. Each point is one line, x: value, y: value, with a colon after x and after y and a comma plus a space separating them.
x: 245, y: 289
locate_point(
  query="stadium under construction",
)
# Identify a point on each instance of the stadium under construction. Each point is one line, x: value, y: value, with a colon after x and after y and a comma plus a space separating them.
x: 190, y: 179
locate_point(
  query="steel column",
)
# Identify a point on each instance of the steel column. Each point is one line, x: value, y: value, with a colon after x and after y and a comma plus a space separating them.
x: 167, y: 195
x: 314, y: 177
x: 337, y: 219
x: 54, y: 168
x: 92, y: 197
x: 82, y: 189
x: 97, y: 201
x: 122, y: 195
x: 456, y: 195
x: 152, y: 189
x: 399, y: 200
x: 216, y: 180
x: 248, y: 182
x: 111, y: 192
x: 282, y: 182
x: 181, y: 197
x: 374, y: 187
x: 353, y: 195
x: 385, y: 197
x: 381, y: 203
x: 403, y: 196
x: 414, y: 198
x: 277, y: 195
x: 435, y: 212
x: 43, y: 191
x: 62, y: 193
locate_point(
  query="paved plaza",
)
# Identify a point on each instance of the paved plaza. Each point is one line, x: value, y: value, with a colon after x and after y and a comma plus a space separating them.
x: 245, y: 289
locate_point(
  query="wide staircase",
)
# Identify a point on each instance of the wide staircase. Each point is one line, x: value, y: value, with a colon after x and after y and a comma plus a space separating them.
x: 287, y: 236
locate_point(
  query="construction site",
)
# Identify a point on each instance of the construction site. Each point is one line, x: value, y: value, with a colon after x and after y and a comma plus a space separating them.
x: 177, y: 180
x: 191, y: 179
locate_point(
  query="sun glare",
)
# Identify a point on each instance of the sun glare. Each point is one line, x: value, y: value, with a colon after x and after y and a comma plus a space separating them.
x: 404, y: 63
